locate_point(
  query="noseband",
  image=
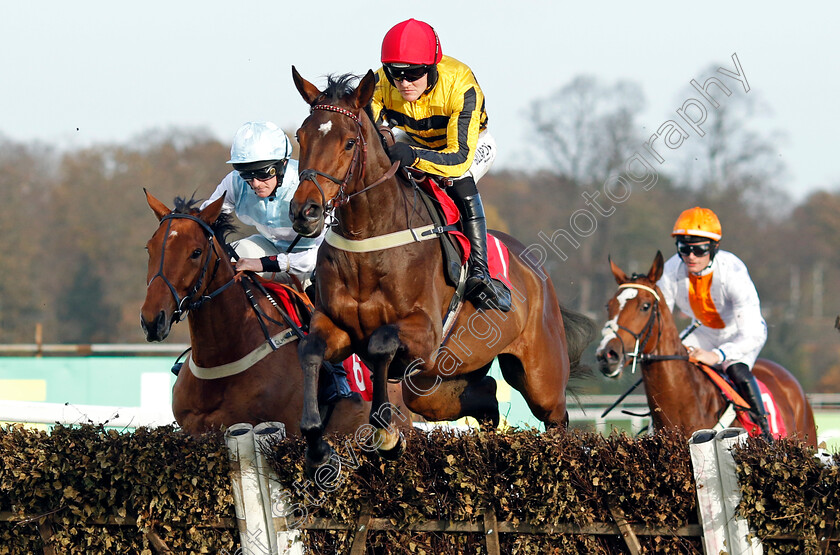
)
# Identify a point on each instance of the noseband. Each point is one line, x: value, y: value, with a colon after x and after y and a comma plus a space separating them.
x: 185, y: 304
x: 644, y: 335
x: 341, y: 197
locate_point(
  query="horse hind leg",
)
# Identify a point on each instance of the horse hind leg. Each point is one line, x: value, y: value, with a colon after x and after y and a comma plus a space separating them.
x: 478, y: 400
x: 450, y: 399
x: 382, y: 347
x: 545, y: 397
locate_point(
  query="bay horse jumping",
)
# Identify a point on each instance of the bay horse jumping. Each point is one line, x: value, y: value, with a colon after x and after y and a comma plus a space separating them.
x: 232, y: 374
x: 680, y: 395
x: 387, y: 303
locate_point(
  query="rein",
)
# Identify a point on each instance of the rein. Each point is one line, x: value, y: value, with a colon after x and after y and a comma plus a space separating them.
x: 185, y: 304
x: 341, y: 197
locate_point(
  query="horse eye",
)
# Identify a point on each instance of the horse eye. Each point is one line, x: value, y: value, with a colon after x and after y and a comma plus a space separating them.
x: 645, y: 307
x: 350, y: 144
x: 195, y: 254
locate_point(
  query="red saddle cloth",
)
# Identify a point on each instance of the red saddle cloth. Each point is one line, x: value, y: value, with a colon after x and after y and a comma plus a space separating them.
x: 497, y: 252
x: 358, y: 375
x: 774, y: 416
x: 283, y: 297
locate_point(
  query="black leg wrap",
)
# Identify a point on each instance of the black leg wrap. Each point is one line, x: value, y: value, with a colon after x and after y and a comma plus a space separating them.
x: 748, y: 387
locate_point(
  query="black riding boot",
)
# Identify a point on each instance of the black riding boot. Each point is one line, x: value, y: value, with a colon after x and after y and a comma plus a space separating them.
x: 480, y: 289
x: 747, y: 386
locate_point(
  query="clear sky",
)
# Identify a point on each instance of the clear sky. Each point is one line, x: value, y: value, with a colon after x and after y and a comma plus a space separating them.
x: 81, y: 72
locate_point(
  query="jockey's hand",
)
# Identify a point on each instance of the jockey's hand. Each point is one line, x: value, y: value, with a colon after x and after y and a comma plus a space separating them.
x: 249, y: 264
x: 702, y: 355
x: 402, y: 153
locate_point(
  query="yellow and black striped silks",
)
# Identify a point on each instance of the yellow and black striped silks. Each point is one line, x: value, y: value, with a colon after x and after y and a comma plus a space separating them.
x: 445, y: 121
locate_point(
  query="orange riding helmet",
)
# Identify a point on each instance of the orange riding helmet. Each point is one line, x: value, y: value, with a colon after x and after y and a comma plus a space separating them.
x: 698, y: 222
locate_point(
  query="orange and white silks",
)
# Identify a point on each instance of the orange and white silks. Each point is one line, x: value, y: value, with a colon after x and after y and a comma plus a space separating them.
x: 702, y: 305
x: 727, y: 306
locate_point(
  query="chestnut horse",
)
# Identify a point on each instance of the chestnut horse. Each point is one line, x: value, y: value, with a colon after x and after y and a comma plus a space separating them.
x: 388, y: 304
x: 242, y: 378
x: 679, y: 394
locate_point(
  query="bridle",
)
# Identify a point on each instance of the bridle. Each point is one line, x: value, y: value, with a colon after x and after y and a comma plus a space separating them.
x: 186, y: 303
x: 341, y: 197
x: 644, y: 335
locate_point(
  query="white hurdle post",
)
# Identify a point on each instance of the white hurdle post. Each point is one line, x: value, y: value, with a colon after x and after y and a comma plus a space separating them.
x: 704, y: 463
x: 248, y: 503
x: 274, y: 500
x: 738, y: 528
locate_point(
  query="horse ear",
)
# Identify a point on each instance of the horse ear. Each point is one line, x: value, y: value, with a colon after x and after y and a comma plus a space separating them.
x: 364, y: 92
x: 157, y: 206
x: 212, y: 211
x: 307, y: 90
x: 656, y: 269
x: 620, y: 276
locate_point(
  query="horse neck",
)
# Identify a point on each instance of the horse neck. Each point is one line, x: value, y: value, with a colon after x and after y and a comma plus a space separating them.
x: 387, y: 207
x: 224, y: 328
x: 678, y: 393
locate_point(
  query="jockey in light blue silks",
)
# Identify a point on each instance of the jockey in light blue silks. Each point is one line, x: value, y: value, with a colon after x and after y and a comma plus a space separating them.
x: 259, y: 190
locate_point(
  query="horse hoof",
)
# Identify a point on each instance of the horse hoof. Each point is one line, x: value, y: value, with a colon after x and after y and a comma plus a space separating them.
x: 314, y: 462
x: 394, y: 452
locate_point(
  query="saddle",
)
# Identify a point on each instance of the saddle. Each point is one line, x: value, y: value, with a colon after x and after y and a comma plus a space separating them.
x: 334, y: 383
x: 741, y: 408
x: 446, y: 217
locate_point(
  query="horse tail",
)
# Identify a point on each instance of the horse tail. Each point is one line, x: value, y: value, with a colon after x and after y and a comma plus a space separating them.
x: 580, y: 332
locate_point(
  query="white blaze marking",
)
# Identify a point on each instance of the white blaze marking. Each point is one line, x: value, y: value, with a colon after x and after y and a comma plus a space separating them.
x: 325, y: 128
x: 173, y: 234
x: 611, y: 328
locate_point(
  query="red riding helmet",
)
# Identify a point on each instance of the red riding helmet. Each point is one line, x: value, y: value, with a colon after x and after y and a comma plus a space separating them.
x: 411, y: 42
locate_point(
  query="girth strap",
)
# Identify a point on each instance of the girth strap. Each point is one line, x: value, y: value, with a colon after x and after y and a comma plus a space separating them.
x: 244, y: 363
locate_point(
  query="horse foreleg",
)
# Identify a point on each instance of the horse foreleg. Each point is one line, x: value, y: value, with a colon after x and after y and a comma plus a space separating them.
x: 382, y: 347
x: 311, y: 352
x: 311, y: 355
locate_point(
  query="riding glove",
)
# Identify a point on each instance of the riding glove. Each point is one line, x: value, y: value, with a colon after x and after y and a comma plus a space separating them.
x: 275, y: 263
x: 402, y: 153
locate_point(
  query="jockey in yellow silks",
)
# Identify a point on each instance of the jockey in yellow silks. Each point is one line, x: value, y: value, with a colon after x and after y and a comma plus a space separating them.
x: 714, y: 288
x: 436, y: 102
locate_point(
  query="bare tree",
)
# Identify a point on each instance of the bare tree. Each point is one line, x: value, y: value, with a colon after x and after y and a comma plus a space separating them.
x: 587, y: 128
x: 738, y: 154
x: 587, y: 131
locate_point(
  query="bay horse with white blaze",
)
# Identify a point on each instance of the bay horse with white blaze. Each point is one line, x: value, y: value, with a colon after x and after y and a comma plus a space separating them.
x: 680, y: 395
x: 243, y: 365
x: 388, y: 303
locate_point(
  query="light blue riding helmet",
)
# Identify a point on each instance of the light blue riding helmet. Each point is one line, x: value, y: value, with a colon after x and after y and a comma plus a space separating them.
x: 258, y: 141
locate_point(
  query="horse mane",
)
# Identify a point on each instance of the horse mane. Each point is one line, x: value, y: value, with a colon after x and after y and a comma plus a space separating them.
x: 339, y: 86
x: 222, y: 227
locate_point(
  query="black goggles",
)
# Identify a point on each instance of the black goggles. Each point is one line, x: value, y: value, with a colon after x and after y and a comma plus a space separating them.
x: 262, y: 174
x: 409, y: 73
x: 697, y: 249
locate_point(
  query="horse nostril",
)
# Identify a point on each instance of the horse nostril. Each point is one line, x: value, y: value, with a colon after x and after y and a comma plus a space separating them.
x: 311, y: 212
